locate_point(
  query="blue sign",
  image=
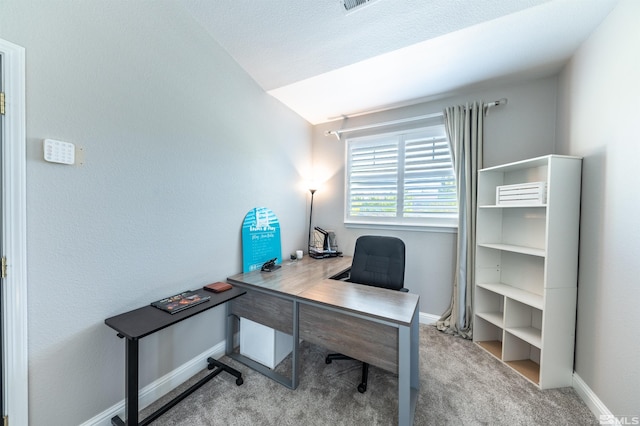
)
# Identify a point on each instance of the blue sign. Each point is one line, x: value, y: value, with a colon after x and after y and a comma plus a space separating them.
x: 260, y: 239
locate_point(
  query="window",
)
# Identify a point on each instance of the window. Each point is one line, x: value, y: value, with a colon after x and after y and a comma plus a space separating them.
x: 403, y: 178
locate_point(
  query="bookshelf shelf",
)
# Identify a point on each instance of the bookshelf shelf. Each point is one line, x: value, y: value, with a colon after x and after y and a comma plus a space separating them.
x: 515, y: 293
x: 531, y: 251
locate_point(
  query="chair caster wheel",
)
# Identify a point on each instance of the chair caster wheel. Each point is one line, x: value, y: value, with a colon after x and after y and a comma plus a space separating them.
x: 327, y: 361
x: 239, y: 381
x: 362, y: 388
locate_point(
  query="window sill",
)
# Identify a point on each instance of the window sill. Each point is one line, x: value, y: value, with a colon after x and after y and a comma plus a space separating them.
x: 449, y: 229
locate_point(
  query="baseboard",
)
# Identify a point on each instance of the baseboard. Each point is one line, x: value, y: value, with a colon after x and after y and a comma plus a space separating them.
x: 160, y: 387
x: 428, y: 318
x: 592, y: 401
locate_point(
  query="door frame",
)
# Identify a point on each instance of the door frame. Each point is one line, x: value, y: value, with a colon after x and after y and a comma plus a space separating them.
x: 14, y: 235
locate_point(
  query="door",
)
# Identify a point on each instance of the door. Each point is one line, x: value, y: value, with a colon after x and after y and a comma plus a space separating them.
x: 14, y: 396
x: 2, y: 358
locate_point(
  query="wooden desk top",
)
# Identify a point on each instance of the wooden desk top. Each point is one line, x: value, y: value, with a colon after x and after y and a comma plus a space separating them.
x: 309, y: 280
x: 390, y: 305
x: 293, y: 277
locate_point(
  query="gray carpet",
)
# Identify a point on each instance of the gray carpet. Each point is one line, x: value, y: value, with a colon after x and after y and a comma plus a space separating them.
x: 460, y: 385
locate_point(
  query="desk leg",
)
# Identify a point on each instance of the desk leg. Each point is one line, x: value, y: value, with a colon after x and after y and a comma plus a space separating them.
x: 415, y: 353
x: 408, y: 371
x: 404, y: 373
x: 131, y: 386
x: 131, y: 395
x: 230, y: 329
x: 295, y: 358
x: 292, y: 381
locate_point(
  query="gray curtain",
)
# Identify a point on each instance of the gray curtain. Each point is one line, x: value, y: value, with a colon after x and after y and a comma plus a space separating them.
x: 463, y: 124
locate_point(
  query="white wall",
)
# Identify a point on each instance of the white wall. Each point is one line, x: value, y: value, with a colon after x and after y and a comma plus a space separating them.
x: 179, y: 144
x: 598, y: 119
x: 524, y: 128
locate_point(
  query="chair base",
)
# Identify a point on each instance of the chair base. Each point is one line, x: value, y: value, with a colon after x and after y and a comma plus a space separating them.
x: 362, y: 387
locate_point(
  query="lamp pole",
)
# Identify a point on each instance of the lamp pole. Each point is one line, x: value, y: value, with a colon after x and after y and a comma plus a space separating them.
x: 312, y: 191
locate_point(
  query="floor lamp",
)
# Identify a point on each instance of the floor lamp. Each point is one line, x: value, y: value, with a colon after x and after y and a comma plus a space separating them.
x: 312, y: 191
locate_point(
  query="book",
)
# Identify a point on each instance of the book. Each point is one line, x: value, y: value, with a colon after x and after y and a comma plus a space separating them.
x: 218, y: 287
x: 180, y: 302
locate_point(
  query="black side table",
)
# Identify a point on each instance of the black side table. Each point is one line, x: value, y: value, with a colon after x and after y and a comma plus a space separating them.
x: 136, y: 324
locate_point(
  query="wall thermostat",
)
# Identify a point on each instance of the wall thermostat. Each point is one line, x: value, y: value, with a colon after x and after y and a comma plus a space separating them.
x: 59, y: 152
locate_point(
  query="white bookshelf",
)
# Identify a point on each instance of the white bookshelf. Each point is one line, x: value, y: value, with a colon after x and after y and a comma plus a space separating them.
x: 526, y: 269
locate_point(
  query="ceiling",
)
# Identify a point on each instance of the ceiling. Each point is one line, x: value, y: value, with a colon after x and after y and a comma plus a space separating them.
x: 325, y: 63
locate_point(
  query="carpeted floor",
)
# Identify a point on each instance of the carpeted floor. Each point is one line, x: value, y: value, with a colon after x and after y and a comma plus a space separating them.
x: 460, y: 385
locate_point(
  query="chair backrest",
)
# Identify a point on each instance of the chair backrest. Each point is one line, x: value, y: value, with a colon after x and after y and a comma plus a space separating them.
x: 378, y: 261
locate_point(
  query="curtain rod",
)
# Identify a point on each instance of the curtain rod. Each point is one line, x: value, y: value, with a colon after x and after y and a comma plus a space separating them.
x: 337, y: 133
x: 383, y: 124
x: 486, y: 106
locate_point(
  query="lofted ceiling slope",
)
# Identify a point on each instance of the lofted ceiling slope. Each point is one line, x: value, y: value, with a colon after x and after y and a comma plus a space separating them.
x: 325, y: 63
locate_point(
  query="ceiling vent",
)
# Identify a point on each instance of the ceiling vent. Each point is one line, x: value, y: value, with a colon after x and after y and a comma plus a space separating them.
x: 351, y: 5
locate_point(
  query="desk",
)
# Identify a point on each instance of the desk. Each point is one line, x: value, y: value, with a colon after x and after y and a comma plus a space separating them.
x: 371, y: 324
x: 136, y: 324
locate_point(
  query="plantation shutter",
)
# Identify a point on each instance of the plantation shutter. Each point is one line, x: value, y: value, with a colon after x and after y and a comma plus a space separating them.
x: 403, y: 178
x: 429, y: 180
x: 373, y: 179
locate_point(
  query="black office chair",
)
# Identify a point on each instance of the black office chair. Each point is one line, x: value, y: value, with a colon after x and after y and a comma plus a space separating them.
x: 377, y: 261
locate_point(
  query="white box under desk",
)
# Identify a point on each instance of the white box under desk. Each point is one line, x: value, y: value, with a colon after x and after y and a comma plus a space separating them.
x: 264, y: 344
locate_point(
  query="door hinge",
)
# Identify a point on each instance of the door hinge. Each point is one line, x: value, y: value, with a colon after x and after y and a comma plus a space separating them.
x: 3, y: 268
x: 1, y: 103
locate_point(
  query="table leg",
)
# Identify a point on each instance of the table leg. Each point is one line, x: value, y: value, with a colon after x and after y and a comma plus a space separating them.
x: 131, y: 386
x: 404, y: 376
x: 231, y: 346
x: 408, y: 371
x: 230, y: 329
x: 415, y: 352
x: 131, y: 394
x: 295, y: 359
